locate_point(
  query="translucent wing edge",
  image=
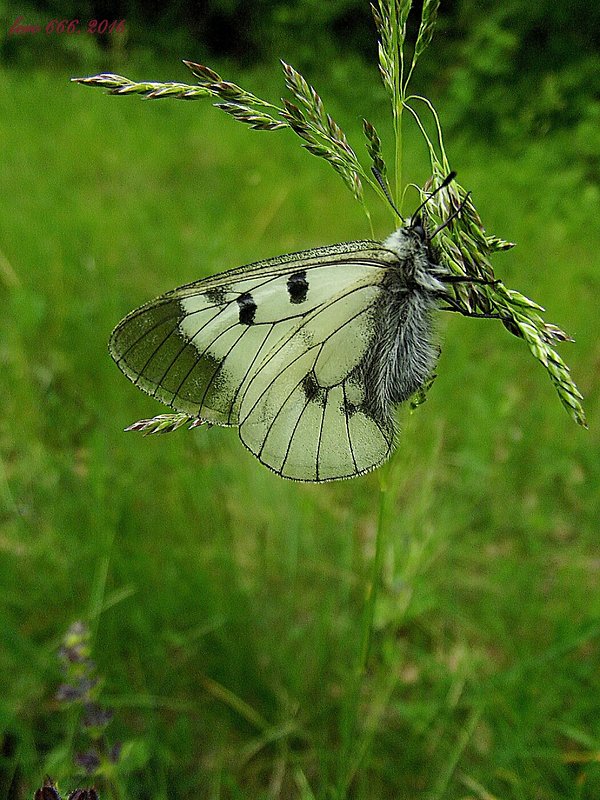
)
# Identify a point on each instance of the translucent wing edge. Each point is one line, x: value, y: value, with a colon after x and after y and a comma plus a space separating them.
x: 356, y: 474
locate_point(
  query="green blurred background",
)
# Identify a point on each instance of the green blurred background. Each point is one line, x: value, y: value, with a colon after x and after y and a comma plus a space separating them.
x: 225, y: 603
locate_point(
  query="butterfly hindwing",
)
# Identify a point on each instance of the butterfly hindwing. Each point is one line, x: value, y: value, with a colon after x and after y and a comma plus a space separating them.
x: 304, y: 413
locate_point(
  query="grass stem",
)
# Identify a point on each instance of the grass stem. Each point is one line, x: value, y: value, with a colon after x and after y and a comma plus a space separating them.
x: 349, y: 764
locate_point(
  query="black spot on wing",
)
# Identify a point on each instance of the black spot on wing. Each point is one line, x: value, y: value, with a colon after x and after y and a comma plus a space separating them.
x: 297, y: 287
x: 310, y: 387
x: 217, y: 295
x: 247, y: 308
x: 349, y: 409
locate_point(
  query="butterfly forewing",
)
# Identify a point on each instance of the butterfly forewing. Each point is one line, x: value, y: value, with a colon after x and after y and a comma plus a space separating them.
x: 195, y: 347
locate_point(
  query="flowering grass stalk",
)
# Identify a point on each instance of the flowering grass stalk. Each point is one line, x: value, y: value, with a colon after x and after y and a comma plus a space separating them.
x: 464, y: 245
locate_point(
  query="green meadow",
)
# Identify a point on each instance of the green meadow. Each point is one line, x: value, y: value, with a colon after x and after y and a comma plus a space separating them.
x: 227, y: 606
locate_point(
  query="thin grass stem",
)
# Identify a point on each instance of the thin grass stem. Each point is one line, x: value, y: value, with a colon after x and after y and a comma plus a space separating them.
x: 373, y: 588
x: 349, y: 759
x: 438, y: 125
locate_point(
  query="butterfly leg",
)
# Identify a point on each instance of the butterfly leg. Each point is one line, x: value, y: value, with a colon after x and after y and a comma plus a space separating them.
x: 467, y: 279
x: 453, y: 305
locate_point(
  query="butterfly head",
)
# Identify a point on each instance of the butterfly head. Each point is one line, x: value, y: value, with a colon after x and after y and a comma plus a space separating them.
x: 411, y: 245
x: 416, y: 227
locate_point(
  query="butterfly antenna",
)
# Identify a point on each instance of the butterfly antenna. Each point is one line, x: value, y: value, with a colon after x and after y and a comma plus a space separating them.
x: 451, y: 217
x: 386, y: 191
x: 448, y: 179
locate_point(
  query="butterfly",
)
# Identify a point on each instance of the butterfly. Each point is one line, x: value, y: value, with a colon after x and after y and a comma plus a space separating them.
x: 307, y: 354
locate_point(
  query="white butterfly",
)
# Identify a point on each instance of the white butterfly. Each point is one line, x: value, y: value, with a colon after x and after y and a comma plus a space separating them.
x: 306, y: 354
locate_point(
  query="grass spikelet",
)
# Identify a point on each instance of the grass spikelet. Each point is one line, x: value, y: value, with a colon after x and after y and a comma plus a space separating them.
x: 162, y: 423
x: 374, y: 148
x: 205, y: 74
x: 259, y: 120
x: 427, y: 26
x: 497, y: 245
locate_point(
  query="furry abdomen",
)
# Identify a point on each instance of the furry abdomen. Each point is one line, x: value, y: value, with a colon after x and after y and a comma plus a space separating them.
x: 405, y: 354
x: 413, y: 355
